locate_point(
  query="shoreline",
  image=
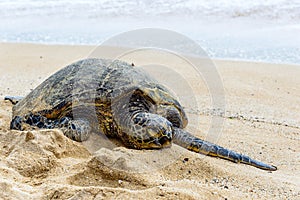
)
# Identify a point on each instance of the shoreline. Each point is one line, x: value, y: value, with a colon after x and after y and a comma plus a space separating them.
x: 95, y: 46
x: 261, y: 120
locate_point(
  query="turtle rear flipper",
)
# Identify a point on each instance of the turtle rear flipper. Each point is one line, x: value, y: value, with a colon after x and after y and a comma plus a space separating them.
x: 77, y: 130
x: 18, y: 122
x: 13, y: 99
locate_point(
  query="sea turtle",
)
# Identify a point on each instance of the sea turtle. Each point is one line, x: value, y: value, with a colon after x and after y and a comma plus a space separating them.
x: 117, y: 99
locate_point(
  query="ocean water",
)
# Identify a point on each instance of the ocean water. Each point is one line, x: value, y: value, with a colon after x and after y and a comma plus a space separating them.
x: 267, y: 31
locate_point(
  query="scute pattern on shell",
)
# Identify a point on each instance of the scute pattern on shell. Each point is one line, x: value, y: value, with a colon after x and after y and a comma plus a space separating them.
x: 84, y: 80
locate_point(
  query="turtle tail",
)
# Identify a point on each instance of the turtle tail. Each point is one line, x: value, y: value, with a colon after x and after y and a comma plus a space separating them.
x: 192, y: 143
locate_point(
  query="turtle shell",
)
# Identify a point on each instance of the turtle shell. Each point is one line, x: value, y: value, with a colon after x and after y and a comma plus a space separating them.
x: 93, y: 83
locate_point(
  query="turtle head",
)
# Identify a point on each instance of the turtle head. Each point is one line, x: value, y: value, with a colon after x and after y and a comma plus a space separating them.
x: 165, y: 104
x: 150, y: 131
x: 173, y: 113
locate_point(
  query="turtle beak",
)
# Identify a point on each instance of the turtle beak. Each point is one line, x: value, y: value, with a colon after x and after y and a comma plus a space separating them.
x: 162, y: 142
x: 157, y: 143
x: 165, y: 141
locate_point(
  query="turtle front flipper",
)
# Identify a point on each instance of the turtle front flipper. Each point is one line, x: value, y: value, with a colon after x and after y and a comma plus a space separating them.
x: 192, y: 143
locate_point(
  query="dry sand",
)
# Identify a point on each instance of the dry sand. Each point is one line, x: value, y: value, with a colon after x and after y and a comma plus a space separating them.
x: 261, y: 120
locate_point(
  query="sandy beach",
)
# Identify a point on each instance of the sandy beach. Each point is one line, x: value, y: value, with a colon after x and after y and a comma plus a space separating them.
x: 261, y: 120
